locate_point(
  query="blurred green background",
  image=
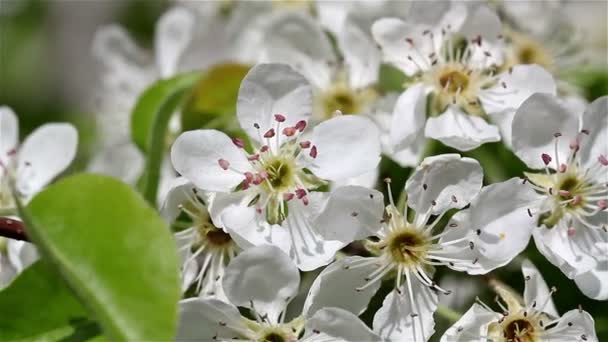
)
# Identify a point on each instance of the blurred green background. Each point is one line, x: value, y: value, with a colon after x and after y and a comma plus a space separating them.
x: 47, y: 74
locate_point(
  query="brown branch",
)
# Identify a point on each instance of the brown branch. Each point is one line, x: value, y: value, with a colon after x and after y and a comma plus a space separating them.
x: 13, y: 229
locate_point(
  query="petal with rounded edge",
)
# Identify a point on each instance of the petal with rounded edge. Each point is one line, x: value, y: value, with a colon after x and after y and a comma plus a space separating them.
x: 447, y: 180
x: 180, y: 192
x: 351, y: 213
x: 44, y: 154
x: 196, y: 155
x: 400, y: 320
x: 340, y: 325
x: 361, y: 55
x: 297, y: 39
x: 208, y: 319
x: 263, y: 276
x: 536, y: 289
x: 9, y: 131
x: 347, y: 146
x: 459, y: 130
x: 409, y: 116
x: 270, y: 89
x: 472, y: 326
x: 575, y: 322
x: 594, y: 283
x: 595, y: 120
x: 174, y: 32
x: 335, y: 286
x: 535, y: 124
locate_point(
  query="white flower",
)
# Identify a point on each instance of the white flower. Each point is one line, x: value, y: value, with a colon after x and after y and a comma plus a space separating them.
x: 264, y: 280
x: 409, y: 249
x: 28, y: 167
x: 270, y: 195
x: 572, y: 200
x: 300, y: 41
x: 205, y: 249
x: 465, y: 92
x: 533, y: 319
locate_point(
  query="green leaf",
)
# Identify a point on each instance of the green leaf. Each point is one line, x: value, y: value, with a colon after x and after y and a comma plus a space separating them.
x: 39, y: 306
x: 113, y: 250
x: 150, y: 121
x: 212, y: 102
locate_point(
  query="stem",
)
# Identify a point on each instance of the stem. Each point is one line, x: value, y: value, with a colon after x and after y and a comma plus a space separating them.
x: 448, y: 313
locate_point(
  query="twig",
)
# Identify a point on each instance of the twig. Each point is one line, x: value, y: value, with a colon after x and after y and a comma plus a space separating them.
x: 12, y: 228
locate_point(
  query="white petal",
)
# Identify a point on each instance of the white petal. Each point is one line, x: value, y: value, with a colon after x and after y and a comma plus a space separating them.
x: 347, y: 146
x: 536, y: 289
x: 502, y: 226
x: 394, y: 321
x: 308, y: 248
x: 21, y: 254
x: 44, y: 154
x: 352, y: 213
x: 173, y: 34
x: 582, y: 324
x: 450, y: 180
x: 335, y: 287
x: 298, y: 40
x: 265, y: 276
x: 196, y: 155
x: 571, y: 253
x: 180, y: 192
x: 9, y: 131
x: 199, y: 320
x: 340, y: 325
x: 391, y: 35
x: 473, y: 323
x: 221, y: 201
x: 534, y: 126
x: 595, y: 120
x: 409, y: 117
x: 482, y: 22
x: 459, y: 130
x: 361, y: 55
x: 248, y: 228
x: 594, y: 283
x: 122, y: 161
x: 270, y: 89
x: 514, y: 87
x: 7, y: 272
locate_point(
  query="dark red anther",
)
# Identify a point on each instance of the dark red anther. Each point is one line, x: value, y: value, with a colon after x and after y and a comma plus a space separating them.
x: 279, y: 117
x: 300, y: 125
x: 313, y: 152
x: 270, y: 133
x: 238, y: 142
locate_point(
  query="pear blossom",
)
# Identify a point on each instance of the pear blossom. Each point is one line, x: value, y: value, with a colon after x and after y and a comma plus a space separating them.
x: 469, y: 103
x: 270, y: 194
x: 409, y: 249
x: 532, y: 318
x: 571, y: 187
x: 26, y: 168
x: 205, y: 249
x: 263, y: 280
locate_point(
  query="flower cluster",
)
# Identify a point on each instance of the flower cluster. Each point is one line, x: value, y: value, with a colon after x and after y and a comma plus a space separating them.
x: 296, y: 192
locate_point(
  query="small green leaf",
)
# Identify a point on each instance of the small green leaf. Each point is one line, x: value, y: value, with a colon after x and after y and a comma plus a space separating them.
x: 39, y: 306
x: 113, y: 250
x: 212, y: 102
x: 149, y: 125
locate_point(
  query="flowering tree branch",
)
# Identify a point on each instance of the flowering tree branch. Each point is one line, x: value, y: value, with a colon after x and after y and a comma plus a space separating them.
x: 13, y: 229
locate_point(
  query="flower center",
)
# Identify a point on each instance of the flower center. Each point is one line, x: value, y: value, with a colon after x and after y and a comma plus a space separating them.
x: 281, y: 173
x: 454, y: 83
x: 407, y: 246
x: 526, y: 50
x: 571, y: 191
x: 519, y: 330
x: 273, y: 337
x: 341, y: 97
